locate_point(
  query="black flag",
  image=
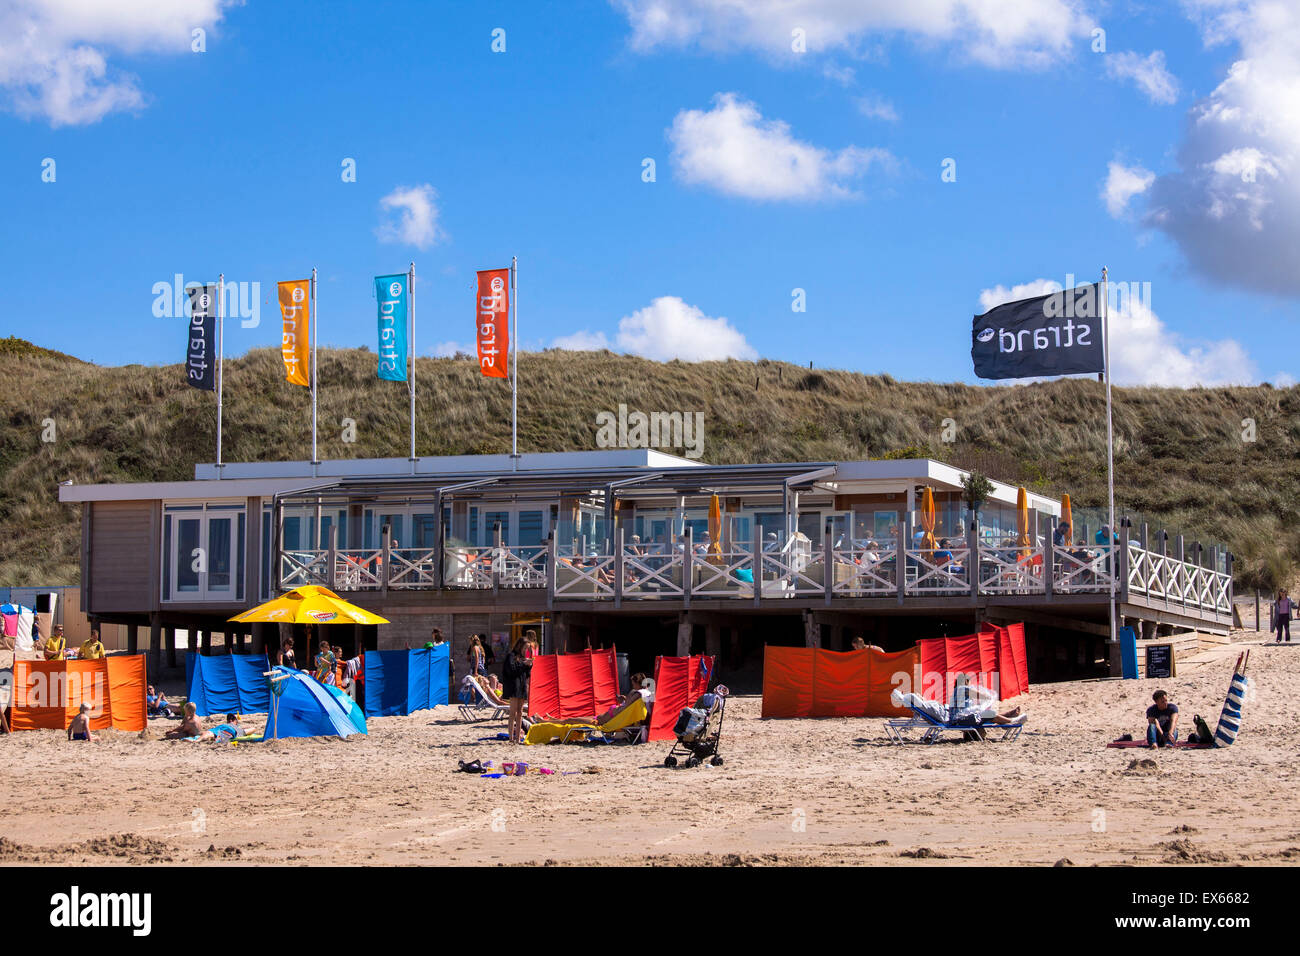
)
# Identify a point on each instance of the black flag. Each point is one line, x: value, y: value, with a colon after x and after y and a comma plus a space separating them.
x: 1056, y: 334
x: 200, y: 360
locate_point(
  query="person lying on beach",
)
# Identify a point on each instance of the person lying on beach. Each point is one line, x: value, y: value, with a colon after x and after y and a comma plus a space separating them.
x: 190, y: 726
x: 159, y: 705
x: 226, y: 732
x: 79, y: 728
x: 1162, y: 721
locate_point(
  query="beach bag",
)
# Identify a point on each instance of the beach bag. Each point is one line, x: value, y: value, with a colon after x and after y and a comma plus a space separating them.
x: 690, y: 722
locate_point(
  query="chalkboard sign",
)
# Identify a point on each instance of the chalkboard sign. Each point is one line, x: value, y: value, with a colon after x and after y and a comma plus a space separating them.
x: 1160, y: 660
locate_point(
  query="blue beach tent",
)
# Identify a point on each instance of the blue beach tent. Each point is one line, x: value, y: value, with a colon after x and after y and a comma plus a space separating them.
x: 301, y: 706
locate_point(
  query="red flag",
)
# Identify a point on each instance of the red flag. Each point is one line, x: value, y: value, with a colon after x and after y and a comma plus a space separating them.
x: 492, y: 322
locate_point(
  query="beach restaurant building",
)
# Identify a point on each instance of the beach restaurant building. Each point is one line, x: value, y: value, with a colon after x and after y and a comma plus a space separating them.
x: 649, y: 552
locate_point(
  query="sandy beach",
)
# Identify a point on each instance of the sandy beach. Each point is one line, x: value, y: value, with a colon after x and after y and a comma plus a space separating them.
x: 790, y: 792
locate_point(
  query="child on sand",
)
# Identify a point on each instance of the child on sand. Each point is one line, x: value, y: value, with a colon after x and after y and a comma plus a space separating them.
x: 79, y: 728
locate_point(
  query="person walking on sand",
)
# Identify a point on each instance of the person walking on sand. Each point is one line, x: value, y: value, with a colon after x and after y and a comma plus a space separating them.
x: 1282, y: 608
x: 1162, y: 721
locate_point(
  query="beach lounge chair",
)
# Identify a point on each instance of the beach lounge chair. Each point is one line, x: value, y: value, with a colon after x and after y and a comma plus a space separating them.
x: 633, y: 721
x: 932, y: 728
x: 474, y: 711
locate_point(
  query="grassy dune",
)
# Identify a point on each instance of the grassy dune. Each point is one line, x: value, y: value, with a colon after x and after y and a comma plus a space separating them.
x: 1180, y: 459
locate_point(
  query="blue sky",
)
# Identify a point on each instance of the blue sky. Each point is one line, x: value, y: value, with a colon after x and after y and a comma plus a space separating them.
x: 775, y: 170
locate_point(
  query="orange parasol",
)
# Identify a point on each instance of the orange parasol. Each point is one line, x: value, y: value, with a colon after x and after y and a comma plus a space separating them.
x: 1022, y: 521
x: 1067, y: 516
x: 715, y: 528
x: 927, y: 520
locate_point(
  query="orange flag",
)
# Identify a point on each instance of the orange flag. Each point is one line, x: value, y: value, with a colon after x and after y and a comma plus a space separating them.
x: 492, y: 322
x: 295, y: 343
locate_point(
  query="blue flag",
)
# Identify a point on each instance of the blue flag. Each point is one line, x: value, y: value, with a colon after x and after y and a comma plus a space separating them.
x: 391, y: 293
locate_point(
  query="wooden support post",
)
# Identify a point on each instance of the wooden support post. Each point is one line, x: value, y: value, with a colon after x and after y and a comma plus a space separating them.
x: 132, y: 638
x: 560, y: 629
x: 553, y: 559
x: 496, y: 559
x: 332, y: 558
x: 385, y: 558
x: 155, y: 645
x: 973, y: 558
x: 1179, y: 555
x: 1121, y: 564
x: 812, y: 631
x: 685, y: 626
x: 688, y: 572
x: 171, y: 646
x: 828, y: 567
x: 618, y: 567
x: 205, y: 642
x: 1049, y: 567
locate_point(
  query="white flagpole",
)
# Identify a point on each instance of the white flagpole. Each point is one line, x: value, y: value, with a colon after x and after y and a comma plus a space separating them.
x: 221, y: 357
x: 1110, y: 452
x: 410, y: 348
x: 514, y: 356
x: 315, y: 326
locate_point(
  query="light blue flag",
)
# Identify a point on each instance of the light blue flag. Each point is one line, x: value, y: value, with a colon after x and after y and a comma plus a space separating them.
x: 391, y: 293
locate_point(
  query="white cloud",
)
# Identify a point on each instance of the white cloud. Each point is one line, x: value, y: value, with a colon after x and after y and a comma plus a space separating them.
x: 417, y: 224
x: 997, y: 33
x: 667, y: 329
x: 733, y: 149
x: 54, y: 54
x: 1122, y: 184
x: 873, y: 106
x: 1233, y: 204
x: 1145, y: 351
x: 1148, y: 73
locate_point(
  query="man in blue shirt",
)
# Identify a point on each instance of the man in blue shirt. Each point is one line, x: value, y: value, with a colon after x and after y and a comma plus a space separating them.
x: 1162, y: 721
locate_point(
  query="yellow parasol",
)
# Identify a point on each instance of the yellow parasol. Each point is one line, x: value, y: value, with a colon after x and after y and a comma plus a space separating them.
x: 1022, y: 521
x: 309, y: 604
x: 1067, y: 516
x: 715, y: 529
x: 927, y: 520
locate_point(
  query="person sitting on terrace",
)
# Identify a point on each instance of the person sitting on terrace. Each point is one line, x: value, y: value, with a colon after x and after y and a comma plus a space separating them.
x: 1061, y: 536
x: 1103, y: 534
x: 158, y: 704
x: 943, y: 555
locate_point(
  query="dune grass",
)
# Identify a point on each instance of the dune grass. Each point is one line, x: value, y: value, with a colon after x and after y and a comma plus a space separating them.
x: 1181, y: 460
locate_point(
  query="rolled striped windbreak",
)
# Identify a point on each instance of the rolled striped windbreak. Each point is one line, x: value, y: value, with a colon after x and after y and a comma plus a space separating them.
x: 1230, y: 719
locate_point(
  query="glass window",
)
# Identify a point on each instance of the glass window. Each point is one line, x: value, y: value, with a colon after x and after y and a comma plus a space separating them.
x: 490, y: 521
x: 530, y: 529
x: 218, y: 556
x: 187, y: 554
x: 423, y: 530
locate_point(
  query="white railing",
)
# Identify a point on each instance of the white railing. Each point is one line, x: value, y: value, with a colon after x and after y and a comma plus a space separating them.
x: 719, y: 574
x: 932, y: 571
x: 585, y: 577
x: 789, y: 572
x: 656, y: 575
x: 866, y: 573
x: 1082, y: 570
x: 298, y: 568
x: 1011, y: 570
x: 358, y: 569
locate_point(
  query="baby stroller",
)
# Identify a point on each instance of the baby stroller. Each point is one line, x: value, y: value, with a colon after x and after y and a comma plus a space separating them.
x: 696, y: 733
